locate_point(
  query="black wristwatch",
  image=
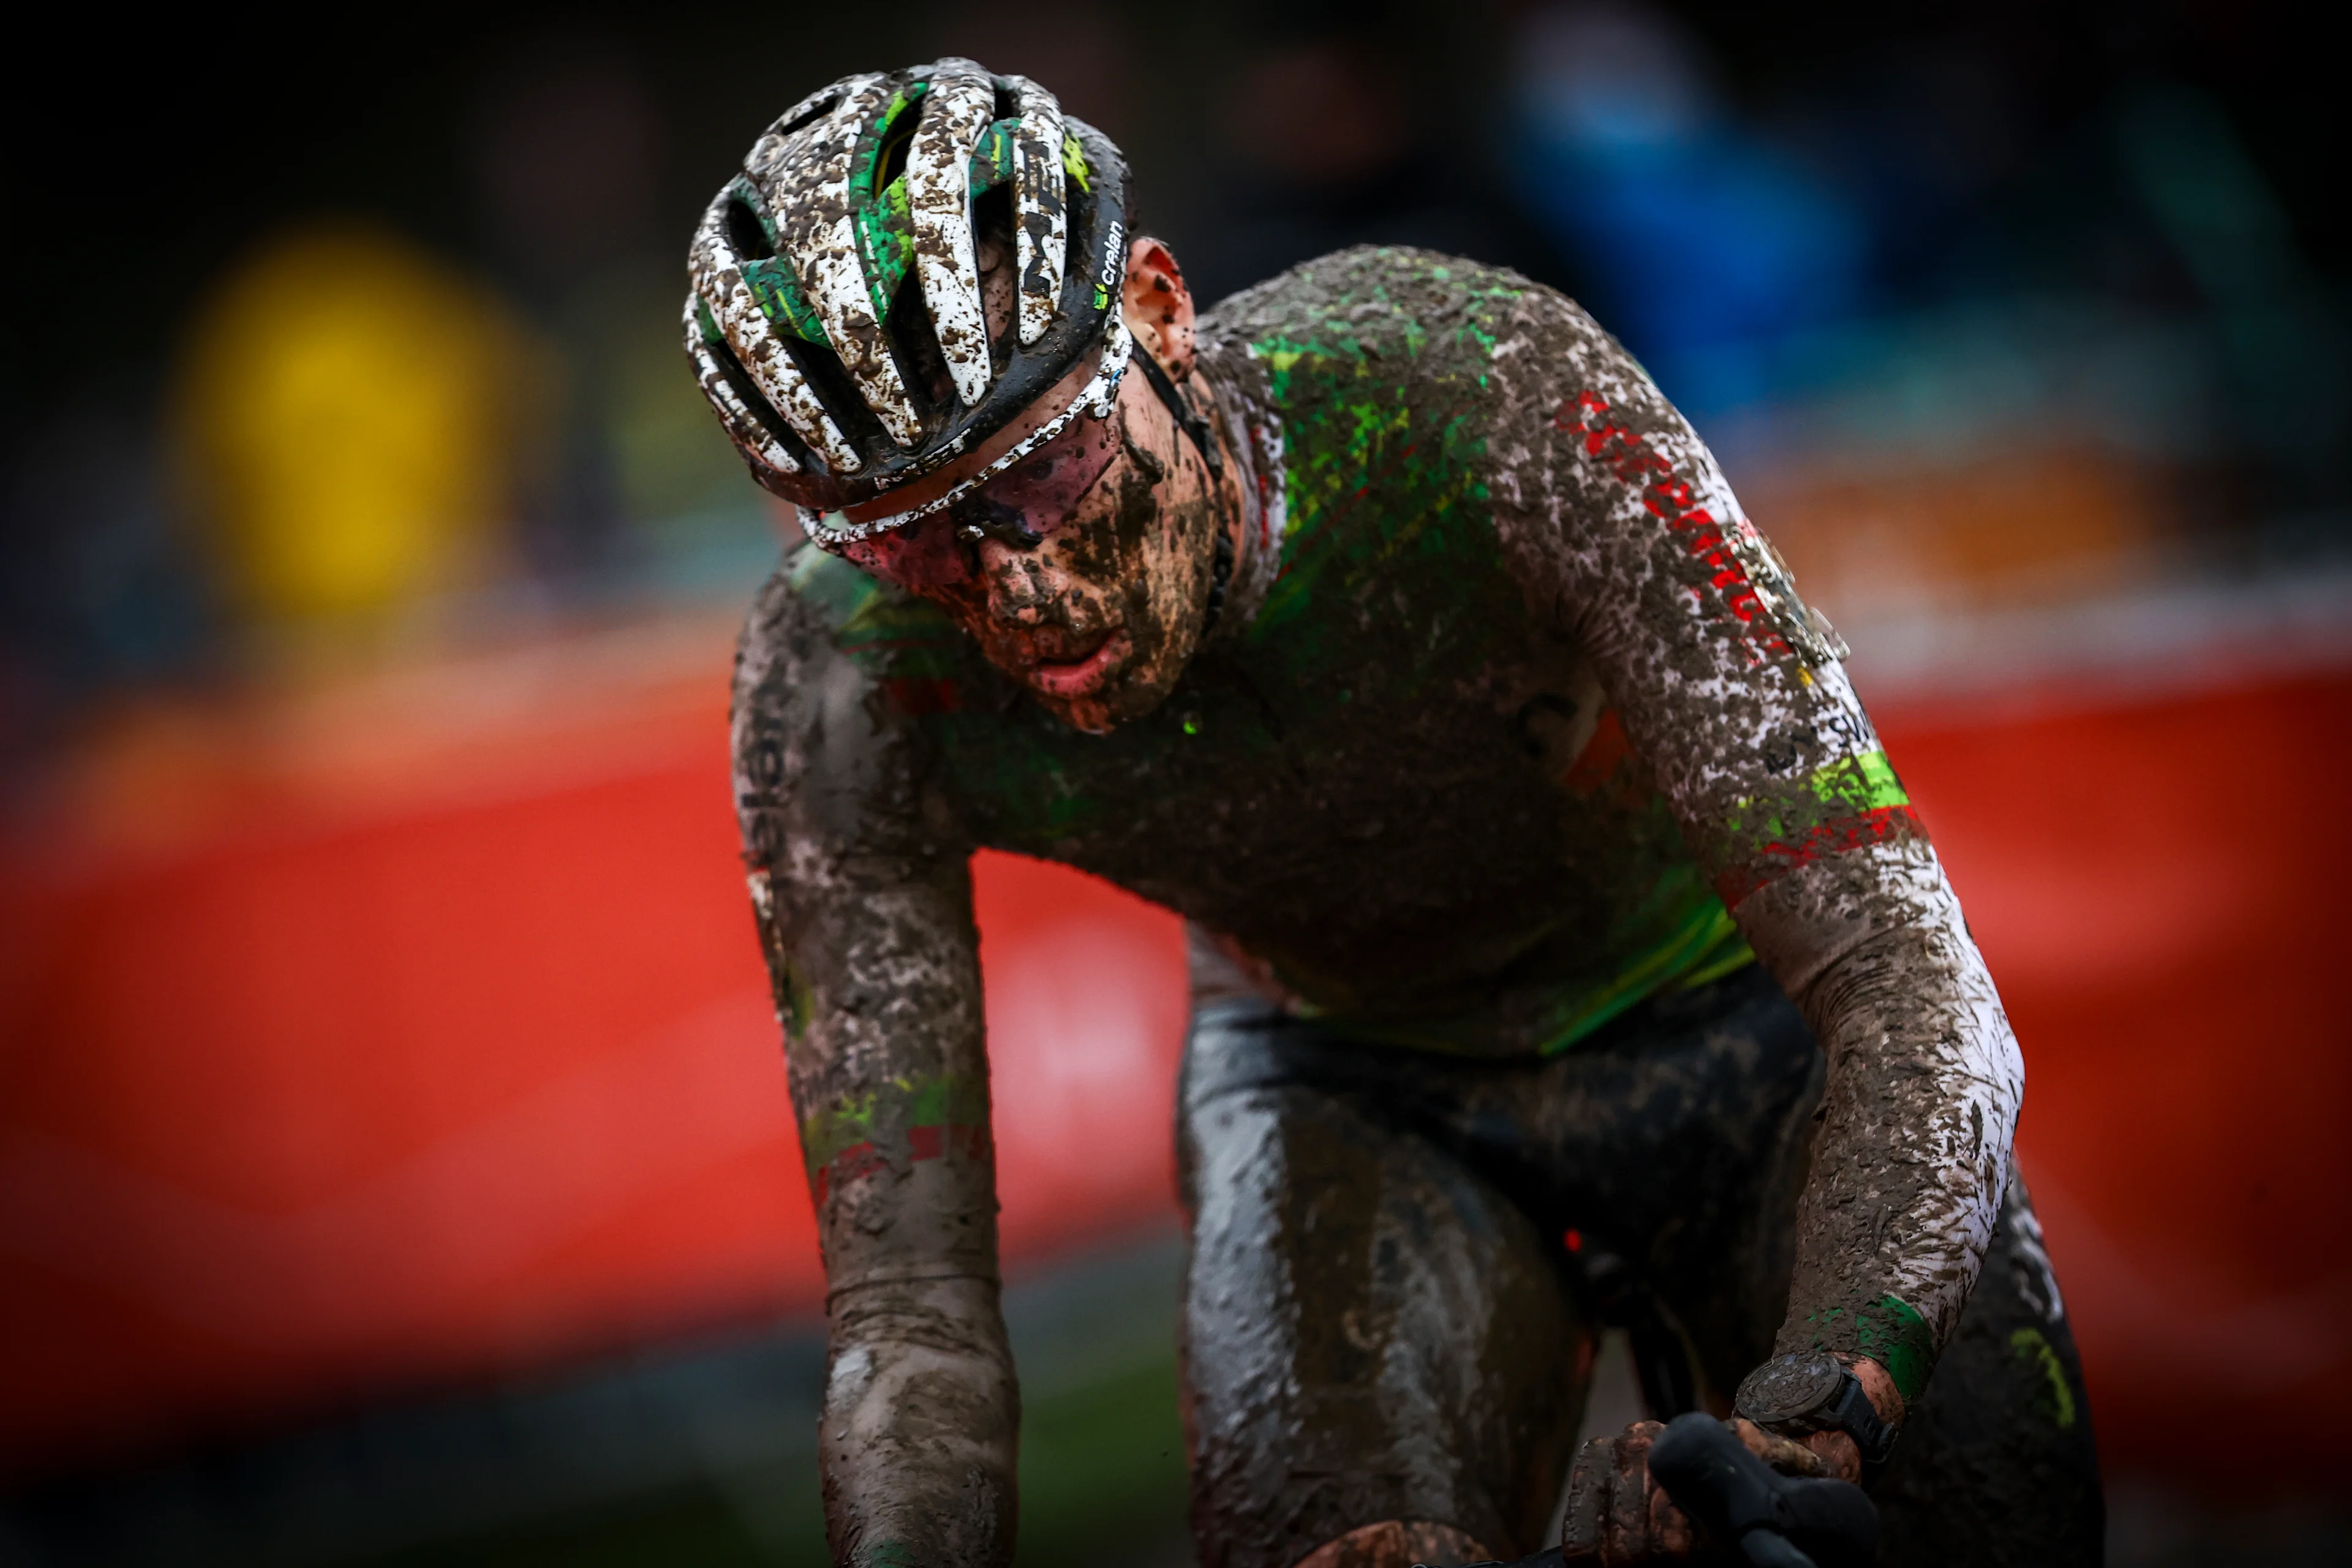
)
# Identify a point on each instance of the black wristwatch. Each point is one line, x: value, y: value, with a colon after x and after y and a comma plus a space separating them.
x: 1812, y: 1391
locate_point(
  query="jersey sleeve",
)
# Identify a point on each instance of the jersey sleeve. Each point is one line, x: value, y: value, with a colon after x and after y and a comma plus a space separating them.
x: 1629, y: 540
x: 861, y: 886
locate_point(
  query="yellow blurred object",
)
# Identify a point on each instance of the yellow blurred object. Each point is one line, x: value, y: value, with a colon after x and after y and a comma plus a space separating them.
x: 347, y: 408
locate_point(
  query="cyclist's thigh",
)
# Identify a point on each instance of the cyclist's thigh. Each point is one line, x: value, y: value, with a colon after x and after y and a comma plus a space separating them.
x: 1684, y: 1138
x: 1371, y: 1331
x: 1996, y: 1466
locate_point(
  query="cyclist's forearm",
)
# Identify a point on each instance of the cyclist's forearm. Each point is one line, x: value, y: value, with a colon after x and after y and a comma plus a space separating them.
x: 863, y: 893
x: 1923, y: 1089
x: 881, y: 998
x: 1736, y: 696
x: 863, y: 896
x: 880, y: 992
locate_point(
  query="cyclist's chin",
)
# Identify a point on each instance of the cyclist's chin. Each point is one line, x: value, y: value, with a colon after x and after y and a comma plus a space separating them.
x: 1117, y: 681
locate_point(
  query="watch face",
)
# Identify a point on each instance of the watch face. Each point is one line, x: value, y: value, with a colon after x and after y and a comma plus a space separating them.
x: 1791, y: 1387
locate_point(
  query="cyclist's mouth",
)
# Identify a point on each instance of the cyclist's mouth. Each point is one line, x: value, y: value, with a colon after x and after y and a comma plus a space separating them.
x: 1083, y: 668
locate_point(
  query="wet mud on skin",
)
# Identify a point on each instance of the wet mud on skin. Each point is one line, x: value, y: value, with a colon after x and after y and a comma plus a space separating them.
x: 1503, y: 715
x: 1138, y: 568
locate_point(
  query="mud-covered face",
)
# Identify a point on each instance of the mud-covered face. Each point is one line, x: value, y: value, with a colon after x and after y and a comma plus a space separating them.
x: 1083, y: 569
x: 1098, y: 616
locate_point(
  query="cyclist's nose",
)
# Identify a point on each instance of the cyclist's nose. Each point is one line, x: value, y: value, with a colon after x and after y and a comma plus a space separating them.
x: 1017, y: 593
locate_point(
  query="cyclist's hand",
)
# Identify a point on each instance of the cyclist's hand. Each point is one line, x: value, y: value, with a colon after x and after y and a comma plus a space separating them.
x: 1616, y: 1512
x: 917, y: 1438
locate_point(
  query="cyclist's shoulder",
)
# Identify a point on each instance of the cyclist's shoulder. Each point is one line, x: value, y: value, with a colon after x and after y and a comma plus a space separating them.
x: 818, y: 614
x: 1384, y: 298
x: 1394, y: 320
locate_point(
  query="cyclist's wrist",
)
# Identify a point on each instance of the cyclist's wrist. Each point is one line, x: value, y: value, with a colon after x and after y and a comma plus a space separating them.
x: 1878, y: 1384
x: 1845, y: 1408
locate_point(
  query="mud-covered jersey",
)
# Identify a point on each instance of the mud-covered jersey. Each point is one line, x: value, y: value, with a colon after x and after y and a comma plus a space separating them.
x: 1510, y: 721
x: 1411, y: 815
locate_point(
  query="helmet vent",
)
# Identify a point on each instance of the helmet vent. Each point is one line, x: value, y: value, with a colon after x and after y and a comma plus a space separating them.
x: 891, y: 160
x: 920, y: 364
x: 992, y: 246
x: 745, y: 234
x: 810, y: 116
x: 748, y: 390
x: 830, y: 378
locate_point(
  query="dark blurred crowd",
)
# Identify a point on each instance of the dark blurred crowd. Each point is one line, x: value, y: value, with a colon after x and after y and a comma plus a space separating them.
x: 327, y: 343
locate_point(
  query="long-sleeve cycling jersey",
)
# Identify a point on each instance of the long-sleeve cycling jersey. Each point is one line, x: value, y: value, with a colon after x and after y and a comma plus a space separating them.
x: 1510, y: 721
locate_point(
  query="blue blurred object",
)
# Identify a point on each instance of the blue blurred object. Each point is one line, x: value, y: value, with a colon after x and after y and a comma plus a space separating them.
x: 1700, y: 240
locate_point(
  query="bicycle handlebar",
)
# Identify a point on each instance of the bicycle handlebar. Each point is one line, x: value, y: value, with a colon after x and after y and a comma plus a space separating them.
x: 1773, y: 1521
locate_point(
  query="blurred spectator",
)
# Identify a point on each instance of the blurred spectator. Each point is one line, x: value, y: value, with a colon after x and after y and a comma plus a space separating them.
x: 2280, y: 338
x: 101, y: 589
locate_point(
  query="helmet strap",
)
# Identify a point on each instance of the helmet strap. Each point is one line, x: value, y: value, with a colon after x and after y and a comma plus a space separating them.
x: 1191, y: 424
x: 1221, y: 569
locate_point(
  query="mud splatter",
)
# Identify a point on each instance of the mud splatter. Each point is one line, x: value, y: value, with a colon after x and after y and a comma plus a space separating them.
x: 1492, y: 731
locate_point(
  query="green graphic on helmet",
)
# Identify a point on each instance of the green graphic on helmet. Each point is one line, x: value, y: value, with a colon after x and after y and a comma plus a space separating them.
x: 774, y: 286
x: 886, y: 226
x: 991, y: 160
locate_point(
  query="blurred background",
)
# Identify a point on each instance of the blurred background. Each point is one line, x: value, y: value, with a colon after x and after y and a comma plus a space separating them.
x: 395, y: 1165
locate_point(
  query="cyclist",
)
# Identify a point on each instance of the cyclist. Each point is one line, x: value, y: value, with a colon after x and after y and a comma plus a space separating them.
x: 1567, y: 950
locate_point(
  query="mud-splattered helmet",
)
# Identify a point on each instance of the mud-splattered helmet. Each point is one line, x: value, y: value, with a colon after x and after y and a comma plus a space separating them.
x: 836, y: 319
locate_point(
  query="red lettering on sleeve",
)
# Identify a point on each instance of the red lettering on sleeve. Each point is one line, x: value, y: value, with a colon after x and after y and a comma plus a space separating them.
x: 1566, y: 417
x: 1594, y: 440
x: 1668, y: 497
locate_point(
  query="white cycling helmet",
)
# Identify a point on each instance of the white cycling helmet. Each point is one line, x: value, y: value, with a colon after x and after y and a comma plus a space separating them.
x: 835, y: 320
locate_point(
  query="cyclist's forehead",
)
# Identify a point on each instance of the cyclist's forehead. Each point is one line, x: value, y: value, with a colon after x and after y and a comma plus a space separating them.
x: 1036, y: 497
x: 1049, y: 405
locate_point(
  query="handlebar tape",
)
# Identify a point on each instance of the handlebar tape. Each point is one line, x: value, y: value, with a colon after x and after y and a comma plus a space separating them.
x: 1775, y: 1521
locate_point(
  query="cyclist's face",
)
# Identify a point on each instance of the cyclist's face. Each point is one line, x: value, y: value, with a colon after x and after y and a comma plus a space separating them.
x: 1088, y: 581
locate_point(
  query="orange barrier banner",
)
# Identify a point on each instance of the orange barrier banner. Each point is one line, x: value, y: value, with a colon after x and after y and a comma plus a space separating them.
x: 480, y: 1071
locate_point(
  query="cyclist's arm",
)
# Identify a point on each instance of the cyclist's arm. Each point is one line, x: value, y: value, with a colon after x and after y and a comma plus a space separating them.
x: 1630, y: 540
x: 863, y: 893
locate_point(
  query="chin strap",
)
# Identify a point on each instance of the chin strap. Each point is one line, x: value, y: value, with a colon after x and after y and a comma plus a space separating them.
x: 1191, y: 424
x: 1221, y: 570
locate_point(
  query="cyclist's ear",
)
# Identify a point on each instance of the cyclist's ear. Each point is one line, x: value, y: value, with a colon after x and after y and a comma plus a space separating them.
x: 1158, y: 306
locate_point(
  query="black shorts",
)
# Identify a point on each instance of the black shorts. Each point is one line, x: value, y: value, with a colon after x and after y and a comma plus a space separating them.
x: 1399, y: 1263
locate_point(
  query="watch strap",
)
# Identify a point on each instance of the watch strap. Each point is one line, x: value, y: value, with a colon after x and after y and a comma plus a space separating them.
x: 1814, y: 1391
